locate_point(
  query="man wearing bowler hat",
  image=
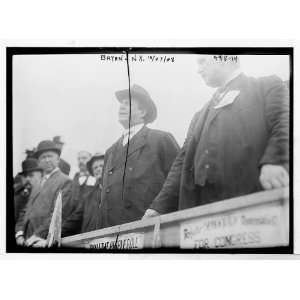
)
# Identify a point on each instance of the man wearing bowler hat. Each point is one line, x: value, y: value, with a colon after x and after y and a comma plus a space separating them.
x: 40, y: 207
x: 32, y: 176
x: 86, y: 216
x: 136, y: 166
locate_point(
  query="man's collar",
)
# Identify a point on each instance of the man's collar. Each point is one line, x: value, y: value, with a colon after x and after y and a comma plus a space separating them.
x: 232, y: 76
x: 51, y: 173
x: 133, y: 129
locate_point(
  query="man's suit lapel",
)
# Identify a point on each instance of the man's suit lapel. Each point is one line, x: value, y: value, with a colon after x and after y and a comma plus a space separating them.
x: 118, y: 152
x: 201, y: 121
x: 213, y: 112
x: 115, y: 153
x: 51, y: 179
x: 137, y: 141
x: 35, y: 193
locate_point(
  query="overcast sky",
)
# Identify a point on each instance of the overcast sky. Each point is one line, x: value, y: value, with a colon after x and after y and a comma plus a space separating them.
x: 73, y: 96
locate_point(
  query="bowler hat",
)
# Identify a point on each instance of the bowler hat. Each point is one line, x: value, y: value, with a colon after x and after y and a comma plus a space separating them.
x: 30, y: 165
x: 46, y: 146
x: 141, y: 95
x: 58, y: 140
x: 95, y: 157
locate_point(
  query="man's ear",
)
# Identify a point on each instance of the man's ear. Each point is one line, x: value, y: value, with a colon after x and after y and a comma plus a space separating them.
x: 143, y: 112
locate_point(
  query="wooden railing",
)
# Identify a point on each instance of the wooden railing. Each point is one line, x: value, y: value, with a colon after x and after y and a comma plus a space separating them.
x: 251, y: 221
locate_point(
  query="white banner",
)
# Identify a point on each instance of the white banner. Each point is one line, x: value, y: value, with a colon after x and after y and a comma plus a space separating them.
x: 260, y: 226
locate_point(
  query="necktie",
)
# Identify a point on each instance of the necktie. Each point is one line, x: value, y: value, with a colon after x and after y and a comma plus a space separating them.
x: 125, y: 137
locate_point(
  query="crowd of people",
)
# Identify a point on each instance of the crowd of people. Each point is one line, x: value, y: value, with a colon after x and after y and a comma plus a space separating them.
x: 237, y: 144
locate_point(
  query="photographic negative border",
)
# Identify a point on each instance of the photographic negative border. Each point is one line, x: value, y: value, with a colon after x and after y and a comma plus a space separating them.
x: 12, y: 51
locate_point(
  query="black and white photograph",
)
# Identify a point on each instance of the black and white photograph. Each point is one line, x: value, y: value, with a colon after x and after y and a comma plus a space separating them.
x: 153, y: 150
x: 149, y: 150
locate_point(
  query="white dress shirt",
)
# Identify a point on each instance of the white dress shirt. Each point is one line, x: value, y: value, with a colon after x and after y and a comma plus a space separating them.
x: 233, y: 75
x: 131, y: 132
x: 47, y: 176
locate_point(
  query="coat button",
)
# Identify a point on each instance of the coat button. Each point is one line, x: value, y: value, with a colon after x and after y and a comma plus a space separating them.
x: 107, y: 190
x: 110, y: 172
x: 206, y: 166
x: 130, y: 168
x: 206, y: 151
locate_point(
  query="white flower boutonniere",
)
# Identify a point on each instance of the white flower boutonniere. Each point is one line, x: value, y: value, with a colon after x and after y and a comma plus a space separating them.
x: 228, y: 99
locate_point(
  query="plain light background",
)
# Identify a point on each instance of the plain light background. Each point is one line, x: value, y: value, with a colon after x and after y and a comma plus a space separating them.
x: 74, y: 96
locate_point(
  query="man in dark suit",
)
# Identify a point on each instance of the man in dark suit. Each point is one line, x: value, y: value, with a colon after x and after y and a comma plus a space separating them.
x: 22, y: 186
x: 82, y: 177
x: 86, y: 216
x: 34, y: 225
x: 31, y: 179
x: 22, y: 191
x: 237, y: 144
x: 136, y: 166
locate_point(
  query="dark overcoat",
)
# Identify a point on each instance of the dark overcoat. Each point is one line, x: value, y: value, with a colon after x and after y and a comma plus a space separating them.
x: 21, y: 197
x: 81, y: 191
x: 85, y: 217
x: 150, y: 156
x: 225, y: 147
x: 38, y: 213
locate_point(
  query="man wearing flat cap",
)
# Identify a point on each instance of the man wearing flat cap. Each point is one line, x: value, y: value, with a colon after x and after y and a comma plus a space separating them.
x: 37, y: 218
x: 136, y: 166
x: 86, y: 216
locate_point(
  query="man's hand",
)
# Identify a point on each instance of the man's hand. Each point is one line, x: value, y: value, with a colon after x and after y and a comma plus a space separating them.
x: 20, y: 240
x: 273, y: 177
x: 150, y: 213
x: 40, y: 244
x: 32, y: 240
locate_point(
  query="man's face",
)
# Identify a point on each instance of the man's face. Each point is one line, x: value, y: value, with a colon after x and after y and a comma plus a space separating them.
x: 34, y: 178
x: 137, y: 113
x: 97, y: 168
x: 83, y: 158
x: 212, y: 71
x: 48, y: 161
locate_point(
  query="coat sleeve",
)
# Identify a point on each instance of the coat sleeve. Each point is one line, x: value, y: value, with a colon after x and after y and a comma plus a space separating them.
x: 67, y: 209
x: 167, y: 199
x: 169, y: 149
x: 276, y: 97
x: 72, y: 224
x: 20, y: 220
